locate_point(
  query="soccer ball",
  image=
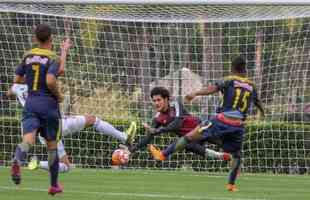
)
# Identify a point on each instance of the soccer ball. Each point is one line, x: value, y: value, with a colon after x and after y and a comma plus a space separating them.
x: 120, y: 157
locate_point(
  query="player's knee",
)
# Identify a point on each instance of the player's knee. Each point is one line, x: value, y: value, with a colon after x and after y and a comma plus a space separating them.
x: 193, y: 135
x: 188, y: 137
x: 51, y: 145
x: 29, y: 138
x: 24, y: 146
x: 90, y: 120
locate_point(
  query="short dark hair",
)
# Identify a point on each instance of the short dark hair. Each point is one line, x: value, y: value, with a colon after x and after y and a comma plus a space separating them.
x: 43, y: 32
x: 163, y: 92
x: 239, y: 65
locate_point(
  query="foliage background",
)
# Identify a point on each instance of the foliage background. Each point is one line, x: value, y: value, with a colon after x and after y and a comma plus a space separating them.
x: 114, y: 63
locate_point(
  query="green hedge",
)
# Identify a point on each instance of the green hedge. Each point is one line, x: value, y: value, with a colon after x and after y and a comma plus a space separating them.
x: 275, y: 147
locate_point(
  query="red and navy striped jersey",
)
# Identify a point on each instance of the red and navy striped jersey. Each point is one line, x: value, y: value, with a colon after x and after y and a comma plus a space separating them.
x: 238, y: 94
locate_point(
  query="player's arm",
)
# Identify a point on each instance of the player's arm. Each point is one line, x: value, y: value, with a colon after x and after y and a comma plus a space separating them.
x: 66, y: 45
x: 151, y: 128
x: 17, y: 89
x: 259, y: 105
x: 257, y: 102
x: 211, y: 89
x: 51, y: 80
x: 19, y: 74
x: 147, y: 139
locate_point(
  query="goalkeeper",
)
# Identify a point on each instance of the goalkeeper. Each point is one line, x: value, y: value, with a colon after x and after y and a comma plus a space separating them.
x: 172, y: 117
x: 227, y: 127
x: 72, y: 125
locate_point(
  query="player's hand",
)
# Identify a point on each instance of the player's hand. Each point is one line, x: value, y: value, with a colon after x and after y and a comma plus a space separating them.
x: 149, y: 129
x: 66, y: 45
x: 190, y: 97
x: 9, y: 93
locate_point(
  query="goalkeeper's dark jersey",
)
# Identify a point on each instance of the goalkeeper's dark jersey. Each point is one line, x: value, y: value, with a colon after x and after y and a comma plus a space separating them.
x: 176, y: 119
x: 238, y: 94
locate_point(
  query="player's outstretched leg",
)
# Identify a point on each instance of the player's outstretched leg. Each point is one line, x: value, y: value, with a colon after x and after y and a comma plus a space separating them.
x: 36, y: 164
x: 218, y: 155
x: 131, y: 133
x: 108, y: 129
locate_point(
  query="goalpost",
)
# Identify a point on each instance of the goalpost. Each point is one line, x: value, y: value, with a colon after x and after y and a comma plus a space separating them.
x: 124, y: 48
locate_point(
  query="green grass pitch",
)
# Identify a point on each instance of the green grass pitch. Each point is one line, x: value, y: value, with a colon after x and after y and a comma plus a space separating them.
x: 89, y: 184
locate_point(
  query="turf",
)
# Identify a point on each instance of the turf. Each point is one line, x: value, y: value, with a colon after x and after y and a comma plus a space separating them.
x: 148, y: 185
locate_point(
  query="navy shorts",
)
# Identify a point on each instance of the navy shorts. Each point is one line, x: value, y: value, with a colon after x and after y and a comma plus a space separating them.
x: 48, y: 124
x: 227, y: 136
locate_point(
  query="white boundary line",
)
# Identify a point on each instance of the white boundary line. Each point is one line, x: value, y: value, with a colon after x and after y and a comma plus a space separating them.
x: 149, y: 195
x: 167, y: 2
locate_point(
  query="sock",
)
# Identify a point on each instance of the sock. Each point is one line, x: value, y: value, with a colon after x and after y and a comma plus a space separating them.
x: 21, y: 152
x: 196, y: 148
x: 213, y: 154
x: 236, y: 162
x: 53, y: 166
x: 142, y: 143
x: 179, y: 145
x: 63, y: 168
x: 44, y: 165
x: 105, y: 128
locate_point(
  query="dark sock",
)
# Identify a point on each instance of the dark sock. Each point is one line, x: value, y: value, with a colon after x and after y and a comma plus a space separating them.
x: 169, y: 150
x: 53, y: 163
x: 142, y: 143
x: 179, y: 145
x: 196, y: 148
x: 236, y: 162
x: 21, y: 152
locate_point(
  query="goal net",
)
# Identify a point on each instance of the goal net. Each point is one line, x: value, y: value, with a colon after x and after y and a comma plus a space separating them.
x: 123, y: 50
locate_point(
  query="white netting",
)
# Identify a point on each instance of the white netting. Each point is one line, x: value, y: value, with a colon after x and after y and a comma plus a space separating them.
x: 163, y: 13
x: 121, y: 51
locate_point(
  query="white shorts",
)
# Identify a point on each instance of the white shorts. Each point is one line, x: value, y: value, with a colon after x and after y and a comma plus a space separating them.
x: 72, y: 124
x: 61, y: 149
